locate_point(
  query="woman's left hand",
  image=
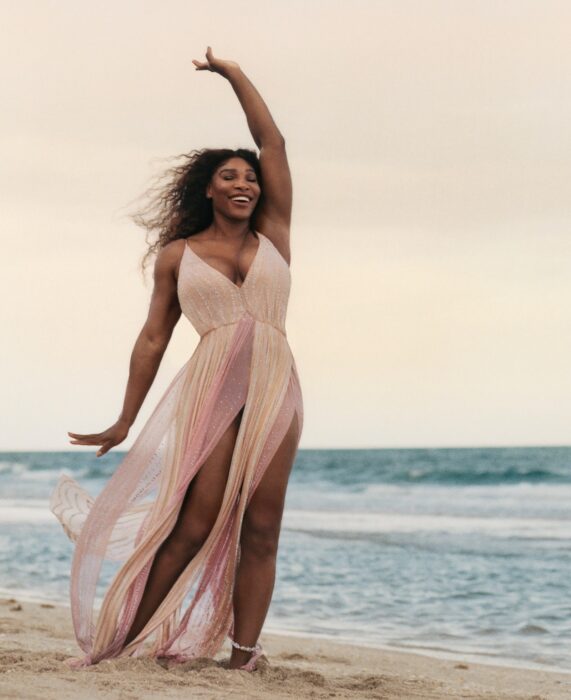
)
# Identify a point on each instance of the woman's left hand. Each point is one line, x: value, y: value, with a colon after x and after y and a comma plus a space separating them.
x: 216, y: 65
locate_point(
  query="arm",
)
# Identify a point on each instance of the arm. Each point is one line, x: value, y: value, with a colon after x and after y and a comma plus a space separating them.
x: 273, y: 213
x: 149, y: 348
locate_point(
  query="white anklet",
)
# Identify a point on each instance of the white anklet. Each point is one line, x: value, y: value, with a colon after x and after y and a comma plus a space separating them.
x: 257, y: 647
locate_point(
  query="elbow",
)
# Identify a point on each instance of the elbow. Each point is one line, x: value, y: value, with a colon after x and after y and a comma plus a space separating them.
x: 155, y: 342
x: 159, y: 345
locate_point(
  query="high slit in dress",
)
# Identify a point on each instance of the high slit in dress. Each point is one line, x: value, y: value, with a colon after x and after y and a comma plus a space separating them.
x: 242, y: 360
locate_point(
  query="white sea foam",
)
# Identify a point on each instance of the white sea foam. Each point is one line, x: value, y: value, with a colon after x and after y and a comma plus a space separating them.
x: 375, y: 523
x: 15, y: 468
x: 30, y: 510
x: 495, y: 491
x: 36, y: 511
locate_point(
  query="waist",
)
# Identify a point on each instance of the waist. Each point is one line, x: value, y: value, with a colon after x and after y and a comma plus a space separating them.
x: 233, y: 323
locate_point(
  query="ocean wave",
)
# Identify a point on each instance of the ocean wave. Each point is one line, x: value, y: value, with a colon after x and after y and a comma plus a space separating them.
x: 29, y: 510
x: 519, y: 490
x: 9, y: 467
x: 453, y: 466
x: 355, y: 523
x: 43, y: 466
x: 376, y: 523
x: 351, y: 469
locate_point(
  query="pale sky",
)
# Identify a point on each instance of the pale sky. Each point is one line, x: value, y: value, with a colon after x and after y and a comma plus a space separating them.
x: 430, y: 149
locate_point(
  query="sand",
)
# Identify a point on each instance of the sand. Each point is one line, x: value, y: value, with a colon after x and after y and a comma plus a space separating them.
x: 36, y: 638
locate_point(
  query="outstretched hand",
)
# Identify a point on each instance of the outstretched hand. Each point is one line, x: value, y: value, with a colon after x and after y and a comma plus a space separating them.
x: 216, y: 65
x: 107, y: 439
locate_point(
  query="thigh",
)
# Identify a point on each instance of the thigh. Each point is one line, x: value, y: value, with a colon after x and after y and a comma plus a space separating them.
x: 267, y: 503
x: 204, y: 495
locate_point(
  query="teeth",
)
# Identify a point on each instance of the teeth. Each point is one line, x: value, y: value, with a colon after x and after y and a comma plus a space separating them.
x: 240, y: 198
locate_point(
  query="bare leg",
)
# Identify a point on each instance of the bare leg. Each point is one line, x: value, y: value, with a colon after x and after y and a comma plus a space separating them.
x: 197, y: 515
x: 259, y: 544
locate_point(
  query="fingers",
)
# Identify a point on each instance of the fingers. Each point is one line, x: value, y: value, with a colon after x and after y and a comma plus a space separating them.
x: 102, y: 450
x: 93, y: 439
x: 80, y: 436
x: 202, y: 65
x: 205, y: 65
x: 86, y: 442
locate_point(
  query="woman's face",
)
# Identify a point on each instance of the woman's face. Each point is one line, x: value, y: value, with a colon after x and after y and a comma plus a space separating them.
x: 234, y: 189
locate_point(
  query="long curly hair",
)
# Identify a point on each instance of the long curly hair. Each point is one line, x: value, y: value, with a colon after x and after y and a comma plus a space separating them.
x: 178, y: 206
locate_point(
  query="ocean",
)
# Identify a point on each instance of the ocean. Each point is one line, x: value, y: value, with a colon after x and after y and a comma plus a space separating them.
x: 459, y: 552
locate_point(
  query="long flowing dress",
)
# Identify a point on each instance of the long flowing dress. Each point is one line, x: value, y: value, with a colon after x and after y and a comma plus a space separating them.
x: 242, y: 360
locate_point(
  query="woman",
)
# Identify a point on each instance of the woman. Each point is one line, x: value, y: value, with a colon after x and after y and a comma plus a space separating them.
x: 192, y: 514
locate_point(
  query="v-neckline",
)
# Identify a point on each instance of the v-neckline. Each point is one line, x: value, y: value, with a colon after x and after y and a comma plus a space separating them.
x: 214, y: 269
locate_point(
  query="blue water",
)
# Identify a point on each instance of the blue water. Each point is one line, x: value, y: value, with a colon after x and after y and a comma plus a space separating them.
x: 451, y: 551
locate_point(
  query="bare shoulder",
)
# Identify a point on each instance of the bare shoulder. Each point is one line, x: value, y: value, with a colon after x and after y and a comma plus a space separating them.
x: 169, y: 257
x: 279, y: 235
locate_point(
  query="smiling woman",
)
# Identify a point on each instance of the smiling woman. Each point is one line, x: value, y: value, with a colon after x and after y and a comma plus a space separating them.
x: 193, y: 512
x: 184, y: 201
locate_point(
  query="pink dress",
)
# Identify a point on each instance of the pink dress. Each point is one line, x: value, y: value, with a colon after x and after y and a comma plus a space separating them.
x: 243, y: 359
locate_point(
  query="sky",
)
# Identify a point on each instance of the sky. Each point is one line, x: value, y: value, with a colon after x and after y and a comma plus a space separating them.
x: 430, y: 149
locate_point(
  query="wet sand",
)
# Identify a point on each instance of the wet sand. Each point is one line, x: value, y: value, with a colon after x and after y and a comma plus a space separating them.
x: 35, y: 639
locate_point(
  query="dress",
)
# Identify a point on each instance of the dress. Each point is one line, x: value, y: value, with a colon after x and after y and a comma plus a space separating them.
x: 243, y: 359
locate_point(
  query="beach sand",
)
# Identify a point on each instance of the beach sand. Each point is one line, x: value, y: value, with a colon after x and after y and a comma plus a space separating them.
x: 36, y: 638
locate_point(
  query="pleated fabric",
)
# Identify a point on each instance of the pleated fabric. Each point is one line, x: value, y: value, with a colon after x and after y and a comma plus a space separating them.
x: 243, y: 360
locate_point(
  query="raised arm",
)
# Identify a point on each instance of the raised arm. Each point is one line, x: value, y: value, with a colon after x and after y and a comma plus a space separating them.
x: 149, y: 348
x: 273, y: 213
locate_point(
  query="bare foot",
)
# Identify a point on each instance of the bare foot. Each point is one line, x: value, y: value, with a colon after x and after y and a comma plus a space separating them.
x: 239, y: 658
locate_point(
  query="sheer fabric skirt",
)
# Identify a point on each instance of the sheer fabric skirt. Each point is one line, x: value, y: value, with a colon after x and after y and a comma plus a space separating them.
x: 247, y: 364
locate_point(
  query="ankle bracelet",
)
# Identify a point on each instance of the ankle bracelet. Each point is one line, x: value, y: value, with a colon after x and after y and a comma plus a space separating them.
x: 256, y: 647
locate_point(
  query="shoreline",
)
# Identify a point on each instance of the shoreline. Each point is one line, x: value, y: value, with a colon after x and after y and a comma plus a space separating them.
x: 433, y: 653
x: 36, y: 638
